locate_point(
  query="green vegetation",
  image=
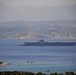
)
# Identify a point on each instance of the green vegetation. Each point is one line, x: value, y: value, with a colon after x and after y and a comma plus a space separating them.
x: 30, y: 73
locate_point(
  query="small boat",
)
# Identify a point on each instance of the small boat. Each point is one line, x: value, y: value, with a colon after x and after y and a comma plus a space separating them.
x: 5, y: 63
x: 47, y: 71
x: 29, y: 62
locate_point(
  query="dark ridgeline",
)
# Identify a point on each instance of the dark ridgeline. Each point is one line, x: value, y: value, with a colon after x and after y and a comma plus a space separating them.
x: 42, y: 43
x: 31, y: 73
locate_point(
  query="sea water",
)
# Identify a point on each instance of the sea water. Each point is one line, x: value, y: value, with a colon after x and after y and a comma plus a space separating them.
x: 44, y: 58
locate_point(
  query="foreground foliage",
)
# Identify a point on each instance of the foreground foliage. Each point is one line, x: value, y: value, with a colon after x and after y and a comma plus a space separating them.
x: 31, y: 73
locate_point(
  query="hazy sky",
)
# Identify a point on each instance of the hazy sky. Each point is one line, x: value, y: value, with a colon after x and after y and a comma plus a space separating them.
x: 37, y: 10
x: 38, y: 2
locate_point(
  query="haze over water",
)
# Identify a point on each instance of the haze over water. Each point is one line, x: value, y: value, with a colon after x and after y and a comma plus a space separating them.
x: 53, y: 58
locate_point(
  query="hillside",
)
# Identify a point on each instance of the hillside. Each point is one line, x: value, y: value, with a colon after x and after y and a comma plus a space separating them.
x: 40, y: 29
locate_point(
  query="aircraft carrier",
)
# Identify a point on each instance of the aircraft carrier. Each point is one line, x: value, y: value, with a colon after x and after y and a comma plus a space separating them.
x: 42, y: 43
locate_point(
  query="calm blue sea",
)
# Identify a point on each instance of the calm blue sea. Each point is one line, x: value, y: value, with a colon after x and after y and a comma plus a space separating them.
x: 53, y: 58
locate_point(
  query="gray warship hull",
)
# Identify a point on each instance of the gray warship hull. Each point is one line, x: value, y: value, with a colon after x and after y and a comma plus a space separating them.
x: 42, y: 43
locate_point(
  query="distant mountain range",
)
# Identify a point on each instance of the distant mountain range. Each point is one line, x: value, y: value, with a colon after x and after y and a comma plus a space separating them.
x: 36, y: 13
x: 39, y: 29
